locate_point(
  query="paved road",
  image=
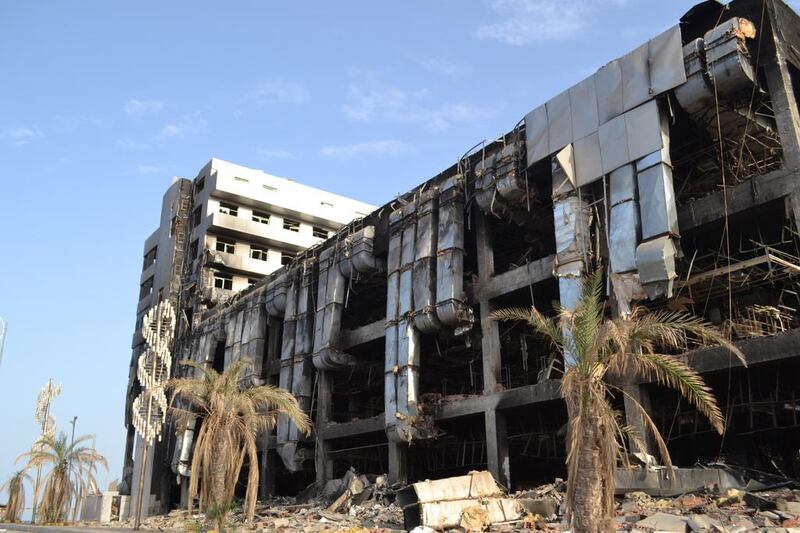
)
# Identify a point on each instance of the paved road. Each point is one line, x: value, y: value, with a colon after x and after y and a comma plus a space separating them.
x: 60, y: 529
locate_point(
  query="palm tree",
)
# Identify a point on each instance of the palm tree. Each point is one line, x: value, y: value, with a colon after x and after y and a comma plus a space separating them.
x: 72, y: 469
x: 232, y: 416
x: 16, y: 496
x: 615, y: 347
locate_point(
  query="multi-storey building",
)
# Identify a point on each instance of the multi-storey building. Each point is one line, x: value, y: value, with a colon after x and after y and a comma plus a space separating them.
x: 674, y: 170
x: 218, y: 235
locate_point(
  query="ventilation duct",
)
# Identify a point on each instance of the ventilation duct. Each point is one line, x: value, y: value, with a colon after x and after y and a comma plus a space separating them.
x: 500, y: 188
x: 402, y: 338
x: 451, y: 308
x: 571, y: 222
x: 355, y: 256
x: 276, y: 295
x: 424, y: 269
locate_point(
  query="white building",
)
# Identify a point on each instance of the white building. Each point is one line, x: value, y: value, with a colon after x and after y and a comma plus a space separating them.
x: 219, y: 234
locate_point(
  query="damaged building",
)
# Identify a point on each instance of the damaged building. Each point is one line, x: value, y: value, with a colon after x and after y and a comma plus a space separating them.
x: 674, y: 169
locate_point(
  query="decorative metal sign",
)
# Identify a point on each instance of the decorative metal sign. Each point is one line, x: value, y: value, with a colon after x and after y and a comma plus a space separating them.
x: 153, y: 371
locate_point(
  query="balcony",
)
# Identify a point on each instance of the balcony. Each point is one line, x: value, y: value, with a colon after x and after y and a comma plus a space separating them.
x: 244, y: 265
x: 269, y: 234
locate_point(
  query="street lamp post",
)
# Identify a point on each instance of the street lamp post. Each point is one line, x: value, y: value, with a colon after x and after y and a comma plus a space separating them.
x: 3, y: 330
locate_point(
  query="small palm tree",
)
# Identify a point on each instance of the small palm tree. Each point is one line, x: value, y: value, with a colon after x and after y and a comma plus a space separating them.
x: 72, y: 468
x: 232, y: 416
x: 605, y: 347
x: 16, y: 496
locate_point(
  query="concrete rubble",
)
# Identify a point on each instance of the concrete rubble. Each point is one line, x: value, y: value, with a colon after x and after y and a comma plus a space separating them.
x: 359, y: 503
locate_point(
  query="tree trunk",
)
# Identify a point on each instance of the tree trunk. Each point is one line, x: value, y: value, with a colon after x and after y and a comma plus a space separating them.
x: 218, y: 478
x: 588, y: 502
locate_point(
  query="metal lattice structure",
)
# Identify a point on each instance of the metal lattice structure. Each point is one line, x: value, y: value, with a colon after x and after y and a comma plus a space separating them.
x: 150, y: 407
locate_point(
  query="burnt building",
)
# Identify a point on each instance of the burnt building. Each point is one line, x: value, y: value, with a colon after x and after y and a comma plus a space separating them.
x: 674, y: 169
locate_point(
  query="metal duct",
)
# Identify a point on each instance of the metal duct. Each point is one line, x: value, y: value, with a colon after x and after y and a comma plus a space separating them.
x: 336, y: 265
x: 358, y: 254
x: 406, y: 369
x: 276, y: 295
x: 511, y: 185
x: 571, y: 222
x: 287, y: 362
x: 424, y: 269
x: 655, y: 256
x: 451, y: 308
x: 717, y: 66
x: 182, y: 457
x: 303, y: 372
x: 485, y: 190
x: 500, y: 188
x: 623, y: 237
x: 328, y: 324
x: 392, y: 318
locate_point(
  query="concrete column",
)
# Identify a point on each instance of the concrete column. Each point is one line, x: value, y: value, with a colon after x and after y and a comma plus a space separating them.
x: 322, y: 461
x: 784, y: 105
x: 398, y: 463
x: 495, y: 422
x: 148, y: 478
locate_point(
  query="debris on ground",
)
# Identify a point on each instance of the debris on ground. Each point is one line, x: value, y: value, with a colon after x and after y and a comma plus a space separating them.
x: 365, y: 503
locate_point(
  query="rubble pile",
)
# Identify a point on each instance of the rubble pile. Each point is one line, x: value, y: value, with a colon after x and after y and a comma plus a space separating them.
x: 358, y: 503
x: 731, y: 511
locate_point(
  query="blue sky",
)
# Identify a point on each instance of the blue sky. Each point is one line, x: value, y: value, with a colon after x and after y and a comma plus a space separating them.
x: 103, y: 102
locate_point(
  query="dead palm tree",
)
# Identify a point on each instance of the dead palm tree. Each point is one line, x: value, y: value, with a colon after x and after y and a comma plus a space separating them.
x: 72, y: 469
x: 232, y: 416
x: 605, y: 347
x: 16, y: 496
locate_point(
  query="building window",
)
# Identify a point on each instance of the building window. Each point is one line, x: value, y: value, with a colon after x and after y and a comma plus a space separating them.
x: 149, y: 258
x: 229, y: 209
x: 226, y: 245
x: 192, y: 250
x: 257, y: 252
x: 146, y: 289
x: 223, y: 281
x: 270, y: 188
x: 319, y: 233
x: 260, y: 216
x: 251, y: 282
x: 243, y: 180
x: 196, y: 214
x: 291, y: 225
x: 199, y: 184
x: 286, y: 258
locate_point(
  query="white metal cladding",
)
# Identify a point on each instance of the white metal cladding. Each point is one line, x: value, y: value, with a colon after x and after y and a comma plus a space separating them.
x: 657, y: 201
x: 645, y: 130
x: 537, y: 139
x: 608, y: 88
x: 615, y: 89
x: 635, y: 77
x: 666, y: 61
x: 559, y: 121
x: 623, y: 236
x: 588, y: 161
x: 614, y: 144
x: 583, y: 104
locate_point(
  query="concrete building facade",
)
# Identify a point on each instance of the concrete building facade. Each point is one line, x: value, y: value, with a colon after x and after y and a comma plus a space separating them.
x: 673, y: 169
x: 219, y: 234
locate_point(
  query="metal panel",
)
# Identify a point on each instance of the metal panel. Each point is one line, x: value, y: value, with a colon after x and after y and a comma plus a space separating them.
x: 643, y: 127
x: 635, y: 77
x: 666, y: 61
x: 696, y: 94
x: 583, y: 103
x: 608, y: 88
x: 588, y: 163
x: 559, y: 121
x: 655, y: 260
x: 564, y: 171
x: 657, y: 201
x: 614, y: 144
x: 537, y: 139
x: 623, y: 236
x: 622, y: 185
